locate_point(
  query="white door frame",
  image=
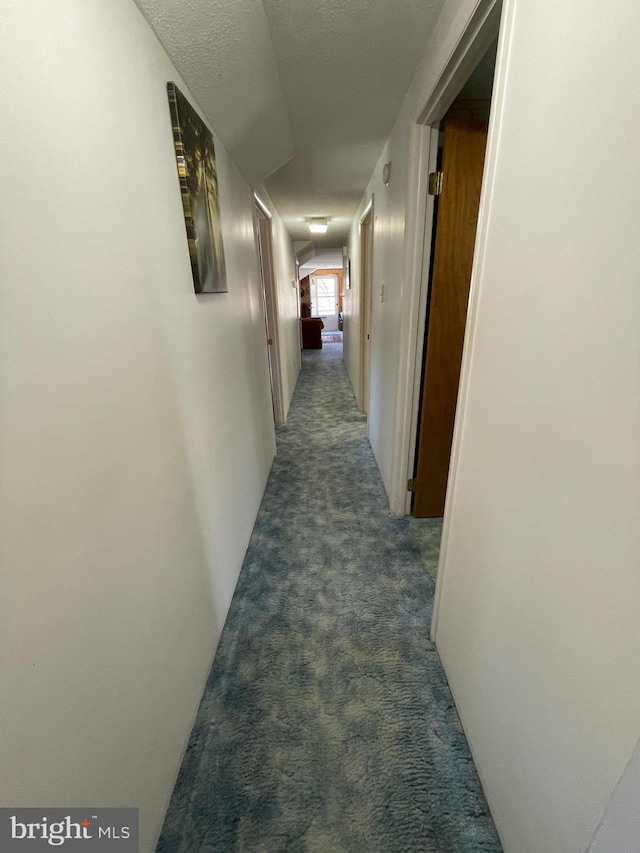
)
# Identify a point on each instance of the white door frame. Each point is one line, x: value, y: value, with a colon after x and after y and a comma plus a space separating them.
x: 299, y: 314
x: 314, y: 276
x: 366, y: 287
x: 489, y: 20
x: 481, y: 30
x: 264, y: 238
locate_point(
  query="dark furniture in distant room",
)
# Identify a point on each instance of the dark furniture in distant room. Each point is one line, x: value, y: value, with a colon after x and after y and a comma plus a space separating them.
x: 312, y: 333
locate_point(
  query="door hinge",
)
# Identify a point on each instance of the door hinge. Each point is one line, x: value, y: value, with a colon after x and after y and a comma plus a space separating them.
x: 435, y: 183
x: 411, y: 485
x: 270, y: 341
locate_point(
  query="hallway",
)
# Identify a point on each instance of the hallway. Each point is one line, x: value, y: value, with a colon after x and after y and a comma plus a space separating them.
x: 327, y: 723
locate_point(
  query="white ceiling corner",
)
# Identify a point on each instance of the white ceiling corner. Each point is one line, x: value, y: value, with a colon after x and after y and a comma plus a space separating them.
x: 303, y: 93
x: 223, y: 51
x: 322, y: 259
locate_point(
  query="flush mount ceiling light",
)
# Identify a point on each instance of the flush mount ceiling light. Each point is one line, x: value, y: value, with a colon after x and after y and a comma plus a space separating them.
x: 317, y: 225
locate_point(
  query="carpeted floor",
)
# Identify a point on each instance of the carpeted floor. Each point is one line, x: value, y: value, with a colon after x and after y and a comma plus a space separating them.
x: 327, y: 725
x: 427, y: 533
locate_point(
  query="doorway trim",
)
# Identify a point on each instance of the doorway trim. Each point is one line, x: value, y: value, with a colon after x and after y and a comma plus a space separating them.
x: 487, y: 22
x: 366, y: 287
x: 264, y: 245
x: 481, y: 30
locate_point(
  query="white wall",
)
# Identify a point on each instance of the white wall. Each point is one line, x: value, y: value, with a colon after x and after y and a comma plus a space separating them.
x: 619, y: 829
x: 388, y: 202
x: 137, y: 432
x: 539, y: 582
x: 287, y: 301
x: 288, y: 310
x: 540, y: 586
x: 352, y: 310
x: 392, y: 273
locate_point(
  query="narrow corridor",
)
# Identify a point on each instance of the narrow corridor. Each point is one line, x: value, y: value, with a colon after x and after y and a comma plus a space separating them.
x: 327, y: 724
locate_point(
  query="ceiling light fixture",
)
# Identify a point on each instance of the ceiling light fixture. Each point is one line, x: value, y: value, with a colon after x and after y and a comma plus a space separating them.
x: 317, y: 225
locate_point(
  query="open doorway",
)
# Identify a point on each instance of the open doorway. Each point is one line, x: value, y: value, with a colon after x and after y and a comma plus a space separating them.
x: 321, y: 298
x: 326, y: 301
x: 455, y: 184
x: 267, y: 287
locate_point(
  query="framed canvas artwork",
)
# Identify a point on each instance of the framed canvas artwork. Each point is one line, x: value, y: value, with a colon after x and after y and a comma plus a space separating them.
x: 196, y: 161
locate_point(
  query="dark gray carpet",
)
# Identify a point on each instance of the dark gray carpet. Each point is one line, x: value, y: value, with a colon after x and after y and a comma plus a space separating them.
x: 327, y: 724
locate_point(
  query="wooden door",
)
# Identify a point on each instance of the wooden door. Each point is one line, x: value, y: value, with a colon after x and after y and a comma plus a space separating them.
x: 462, y: 163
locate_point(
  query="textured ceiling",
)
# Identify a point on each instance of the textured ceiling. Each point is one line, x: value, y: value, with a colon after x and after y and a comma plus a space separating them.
x: 345, y: 66
x: 223, y: 51
x: 303, y: 93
